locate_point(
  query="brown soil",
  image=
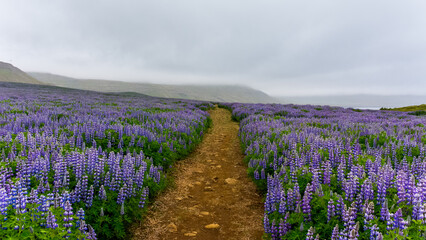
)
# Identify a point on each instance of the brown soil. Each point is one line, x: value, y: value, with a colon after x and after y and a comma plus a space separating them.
x: 213, y: 197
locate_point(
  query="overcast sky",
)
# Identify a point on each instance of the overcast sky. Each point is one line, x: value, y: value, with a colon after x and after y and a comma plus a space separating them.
x: 281, y: 47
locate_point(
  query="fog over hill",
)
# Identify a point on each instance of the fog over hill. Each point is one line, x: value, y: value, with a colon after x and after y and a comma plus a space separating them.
x: 369, y: 101
x: 10, y: 73
x: 220, y: 93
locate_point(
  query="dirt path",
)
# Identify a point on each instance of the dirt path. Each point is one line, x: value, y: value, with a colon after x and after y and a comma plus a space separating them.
x: 213, y: 197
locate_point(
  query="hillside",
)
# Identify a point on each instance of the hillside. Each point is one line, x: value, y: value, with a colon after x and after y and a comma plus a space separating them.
x: 10, y: 73
x: 418, y: 110
x: 219, y: 93
x: 413, y: 108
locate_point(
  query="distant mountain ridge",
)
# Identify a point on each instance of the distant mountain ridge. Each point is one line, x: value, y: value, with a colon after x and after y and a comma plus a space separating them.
x: 218, y: 93
x: 10, y: 73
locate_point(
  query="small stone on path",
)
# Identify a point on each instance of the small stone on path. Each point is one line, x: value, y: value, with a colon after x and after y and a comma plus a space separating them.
x: 208, y: 189
x: 204, y: 213
x: 191, y: 234
x: 172, y: 227
x: 231, y: 181
x: 212, y: 226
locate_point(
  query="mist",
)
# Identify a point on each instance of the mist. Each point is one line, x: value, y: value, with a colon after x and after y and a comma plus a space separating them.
x: 284, y: 48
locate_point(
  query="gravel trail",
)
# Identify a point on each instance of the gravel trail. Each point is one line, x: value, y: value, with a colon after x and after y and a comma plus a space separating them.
x: 213, y: 198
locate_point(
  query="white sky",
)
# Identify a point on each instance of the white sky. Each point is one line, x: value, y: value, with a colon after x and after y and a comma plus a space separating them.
x: 281, y: 47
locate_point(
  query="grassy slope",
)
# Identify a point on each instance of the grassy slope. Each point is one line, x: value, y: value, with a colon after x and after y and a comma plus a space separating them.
x: 413, y: 108
x: 9, y: 73
x: 197, y: 92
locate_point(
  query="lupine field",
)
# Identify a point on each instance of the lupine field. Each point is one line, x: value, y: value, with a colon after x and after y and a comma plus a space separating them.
x: 335, y: 173
x: 83, y: 165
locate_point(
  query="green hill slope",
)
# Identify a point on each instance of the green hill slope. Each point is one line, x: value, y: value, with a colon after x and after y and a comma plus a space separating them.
x: 219, y: 93
x: 10, y: 73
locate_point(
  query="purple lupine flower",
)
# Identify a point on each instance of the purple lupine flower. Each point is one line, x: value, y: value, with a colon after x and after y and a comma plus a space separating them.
x: 80, y: 215
x: 367, y: 191
x: 82, y: 226
x: 398, y: 221
x: 384, y: 212
x: 66, y: 196
x: 269, y: 202
x: 282, y: 208
x: 284, y: 226
x: 315, y: 180
x: 306, y: 203
x: 90, y: 197
x: 400, y: 183
x: 266, y: 226
x: 349, y: 216
x: 43, y: 205
x: 68, y: 214
x: 340, y: 207
x: 57, y: 201
x: 113, y: 185
x: 256, y: 175
x: 274, y: 230
x: 84, y: 185
x: 66, y: 180
x: 14, y: 196
x: 310, y: 234
x: 340, y: 173
x: 144, y: 194
x: 422, y: 214
x: 330, y: 210
x: 381, y: 191
x: 3, y: 201
x: 32, y: 198
x: 368, y: 216
x: 353, y: 235
x: 335, y: 233
x: 374, y: 232
x: 102, y: 193
x: 120, y: 197
x: 290, y: 200
x: 416, y: 206
x: 77, y: 192
x: 47, y: 187
x: 51, y: 221
x: 122, y: 209
x: 410, y: 187
x: 389, y: 223
x: 352, y: 216
x: 91, y: 234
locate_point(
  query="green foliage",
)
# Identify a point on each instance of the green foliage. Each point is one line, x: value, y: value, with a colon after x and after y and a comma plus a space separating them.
x: 35, y: 225
x: 418, y: 113
x: 408, y: 108
x: 281, y: 113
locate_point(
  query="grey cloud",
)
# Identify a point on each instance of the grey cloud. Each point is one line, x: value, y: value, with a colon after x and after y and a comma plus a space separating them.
x: 282, y: 47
